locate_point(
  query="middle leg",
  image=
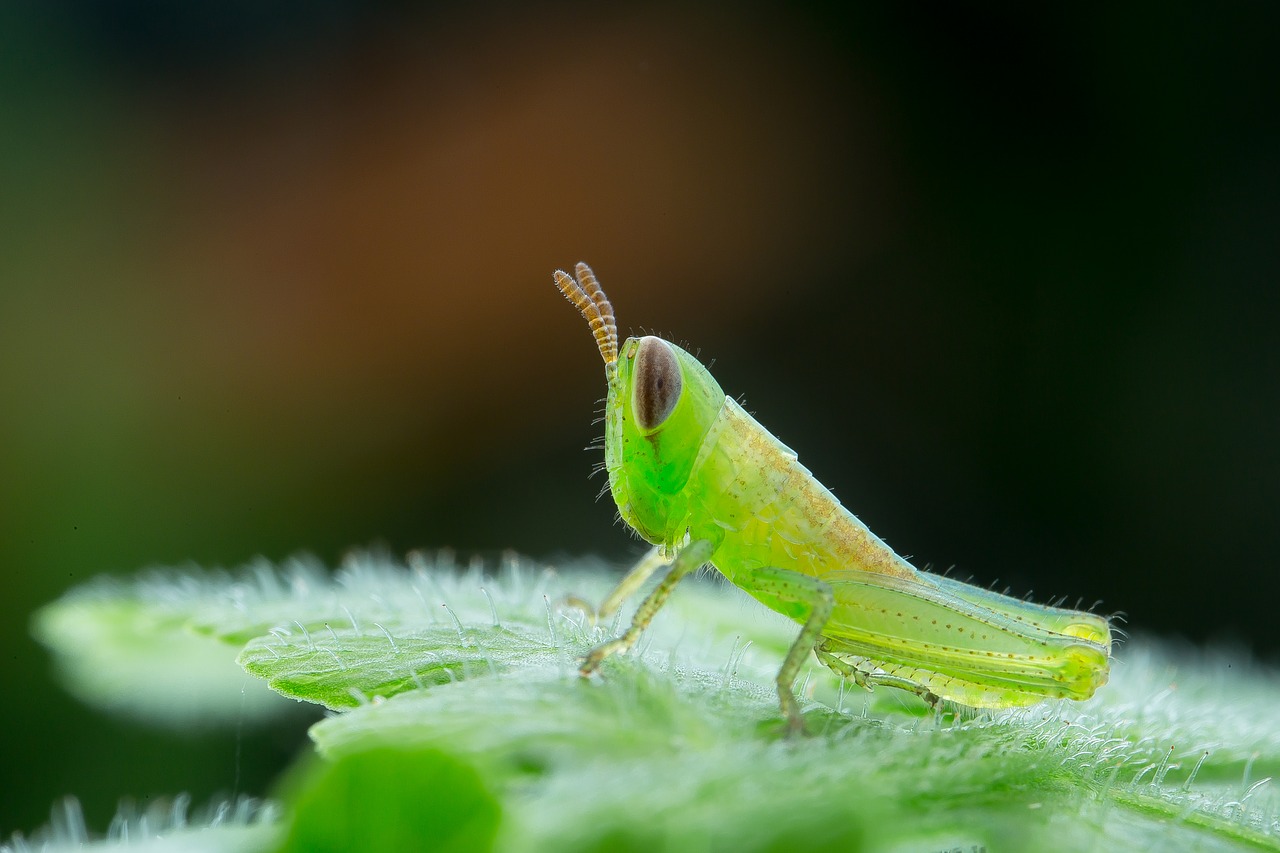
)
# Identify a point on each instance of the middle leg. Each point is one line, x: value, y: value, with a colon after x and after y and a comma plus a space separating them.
x: 804, y: 598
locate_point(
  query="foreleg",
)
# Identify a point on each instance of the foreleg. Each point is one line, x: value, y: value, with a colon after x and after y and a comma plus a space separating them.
x: 626, y: 587
x: 687, y: 560
x: 635, y: 579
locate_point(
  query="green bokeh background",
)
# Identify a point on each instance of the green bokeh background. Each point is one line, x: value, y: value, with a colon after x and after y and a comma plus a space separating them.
x: 277, y: 278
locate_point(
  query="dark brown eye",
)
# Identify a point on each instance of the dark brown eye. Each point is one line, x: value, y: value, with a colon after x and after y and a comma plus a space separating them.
x: 657, y: 383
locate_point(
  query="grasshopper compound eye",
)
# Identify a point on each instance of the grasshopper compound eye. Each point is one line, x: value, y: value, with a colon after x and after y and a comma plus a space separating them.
x: 657, y: 383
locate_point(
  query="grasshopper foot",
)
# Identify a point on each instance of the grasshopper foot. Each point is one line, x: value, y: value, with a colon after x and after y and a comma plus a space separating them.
x: 597, y: 655
x: 574, y: 602
x: 791, y: 711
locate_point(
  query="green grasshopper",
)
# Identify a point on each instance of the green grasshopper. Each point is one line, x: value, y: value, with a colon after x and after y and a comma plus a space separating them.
x: 699, y: 478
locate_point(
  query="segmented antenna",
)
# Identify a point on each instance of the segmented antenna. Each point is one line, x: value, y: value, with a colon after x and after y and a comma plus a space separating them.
x: 584, y: 292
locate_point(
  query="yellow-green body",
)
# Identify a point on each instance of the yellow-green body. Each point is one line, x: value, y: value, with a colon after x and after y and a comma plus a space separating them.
x: 689, y: 467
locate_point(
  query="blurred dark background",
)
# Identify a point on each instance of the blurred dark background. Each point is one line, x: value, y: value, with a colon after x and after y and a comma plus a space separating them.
x: 277, y: 278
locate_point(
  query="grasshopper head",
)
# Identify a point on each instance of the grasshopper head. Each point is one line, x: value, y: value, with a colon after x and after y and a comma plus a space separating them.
x: 660, y: 407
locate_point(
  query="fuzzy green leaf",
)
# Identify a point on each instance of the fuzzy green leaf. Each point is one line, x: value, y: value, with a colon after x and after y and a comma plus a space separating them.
x: 134, y: 649
x: 679, y: 744
x: 162, y: 825
x: 343, y: 668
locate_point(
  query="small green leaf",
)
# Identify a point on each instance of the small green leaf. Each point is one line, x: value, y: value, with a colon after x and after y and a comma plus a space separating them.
x: 392, y: 799
x: 117, y: 648
x: 345, y: 668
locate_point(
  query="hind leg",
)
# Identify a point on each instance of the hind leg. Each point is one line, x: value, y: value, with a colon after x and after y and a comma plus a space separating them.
x: 866, y: 675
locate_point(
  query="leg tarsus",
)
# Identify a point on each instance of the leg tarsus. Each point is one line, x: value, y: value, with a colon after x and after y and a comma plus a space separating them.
x: 597, y: 655
x: 577, y: 602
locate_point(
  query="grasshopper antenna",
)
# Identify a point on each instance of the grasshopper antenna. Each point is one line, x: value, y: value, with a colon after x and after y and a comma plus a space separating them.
x: 586, y: 295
